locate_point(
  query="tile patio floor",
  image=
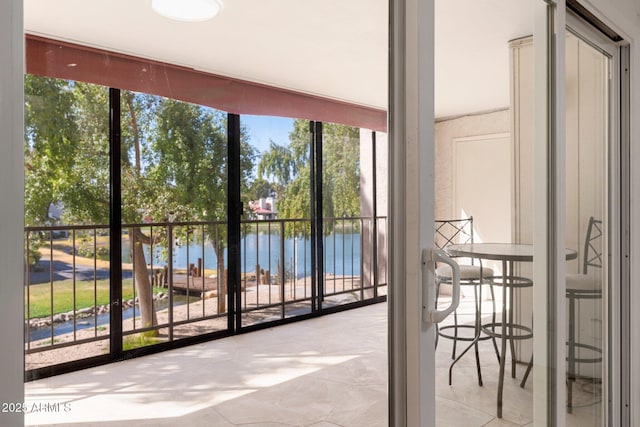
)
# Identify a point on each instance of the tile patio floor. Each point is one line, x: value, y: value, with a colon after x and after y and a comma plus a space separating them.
x: 330, y: 371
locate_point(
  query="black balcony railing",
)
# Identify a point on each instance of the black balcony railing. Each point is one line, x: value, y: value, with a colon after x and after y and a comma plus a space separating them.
x: 183, y: 278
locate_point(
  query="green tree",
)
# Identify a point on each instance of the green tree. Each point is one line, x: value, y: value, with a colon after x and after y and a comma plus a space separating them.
x: 66, y: 151
x: 289, y: 169
x: 261, y: 188
x: 341, y: 170
x: 173, y: 164
x: 188, y: 158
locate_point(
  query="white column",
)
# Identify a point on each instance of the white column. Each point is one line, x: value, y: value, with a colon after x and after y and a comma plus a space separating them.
x: 11, y: 210
x: 549, y: 371
x: 367, y: 197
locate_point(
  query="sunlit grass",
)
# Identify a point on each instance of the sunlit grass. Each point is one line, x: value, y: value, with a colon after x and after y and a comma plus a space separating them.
x: 86, y: 295
x: 139, y: 340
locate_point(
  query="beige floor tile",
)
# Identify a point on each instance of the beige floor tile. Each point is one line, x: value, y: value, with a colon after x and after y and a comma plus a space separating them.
x: 326, y: 372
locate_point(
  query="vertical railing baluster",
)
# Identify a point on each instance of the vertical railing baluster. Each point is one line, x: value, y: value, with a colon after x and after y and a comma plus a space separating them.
x: 170, y: 273
x: 51, y: 280
x: 219, y: 274
x: 132, y: 255
x: 244, y: 265
x: 204, y: 263
x: 188, y: 265
x: 361, y: 261
x: 374, y: 256
x: 353, y: 272
x: 344, y: 276
x: 306, y: 236
x: 73, y: 281
x: 95, y: 281
x: 282, y: 269
x: 257, y: 263
x: 269, y: 262
x: 28, y: 285
x: 151, y: 277
x: 294, y: 266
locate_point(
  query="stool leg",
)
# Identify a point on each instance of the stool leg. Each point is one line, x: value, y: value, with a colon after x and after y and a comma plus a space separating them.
x: 436, y: 304
x: 526, y: 374
x: 493, y: 319
x: 455, y: 334
x: 512, y: 345
x: 474, y: 341
x: 571, y: 353
x: 477, y: 294
x: 503, y: 339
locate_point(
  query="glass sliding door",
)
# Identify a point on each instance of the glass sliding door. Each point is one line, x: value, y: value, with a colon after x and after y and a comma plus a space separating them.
x: 499, y: 158
x: 277, y: 279
x: 354, y: 261
x: 67, y: 276
x: 174, y: 213
x: 593, y: 202
x: 484, y: 124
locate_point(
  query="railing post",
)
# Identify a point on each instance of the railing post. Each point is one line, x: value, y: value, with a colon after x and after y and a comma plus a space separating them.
x: 170, y: 282
x: 282, y: 268
x: 27, y: 324
x: 373, y: 264
x: 374, y: 216
x: 51, y: 281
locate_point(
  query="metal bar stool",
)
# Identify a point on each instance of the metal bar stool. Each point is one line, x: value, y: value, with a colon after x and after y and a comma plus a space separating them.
x: 581, y: 287
x: 457, y: 231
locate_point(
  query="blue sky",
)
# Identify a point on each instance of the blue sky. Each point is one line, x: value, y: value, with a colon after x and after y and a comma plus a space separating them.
x: 262, y: 129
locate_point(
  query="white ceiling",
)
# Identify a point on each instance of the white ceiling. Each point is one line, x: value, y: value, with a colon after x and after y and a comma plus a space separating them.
x: 332, y: 48
x: 472, y: 55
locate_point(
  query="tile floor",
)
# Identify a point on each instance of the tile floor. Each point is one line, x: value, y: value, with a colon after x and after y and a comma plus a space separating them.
x: 325, y: 372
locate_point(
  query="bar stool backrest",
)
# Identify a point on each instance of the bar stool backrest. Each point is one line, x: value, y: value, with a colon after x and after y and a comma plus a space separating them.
x: 453, y: 231
x: 593, y: 245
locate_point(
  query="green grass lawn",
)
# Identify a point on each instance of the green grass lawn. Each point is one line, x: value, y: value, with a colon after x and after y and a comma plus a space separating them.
x: 39, y: 296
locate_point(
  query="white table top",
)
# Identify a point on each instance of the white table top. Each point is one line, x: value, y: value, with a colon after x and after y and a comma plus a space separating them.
x: 499, y: 251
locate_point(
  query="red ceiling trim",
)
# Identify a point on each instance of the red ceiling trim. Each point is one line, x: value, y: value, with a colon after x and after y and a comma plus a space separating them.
x: 47, y: 57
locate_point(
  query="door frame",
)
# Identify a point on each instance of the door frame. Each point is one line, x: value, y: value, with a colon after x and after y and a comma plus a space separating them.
x: 411, y: 214
x: 411, y: 355
x: 618, y: 310
x: 412, y: 143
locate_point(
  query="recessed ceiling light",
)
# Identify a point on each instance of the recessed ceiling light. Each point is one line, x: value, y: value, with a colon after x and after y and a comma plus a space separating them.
x: 187, y: 10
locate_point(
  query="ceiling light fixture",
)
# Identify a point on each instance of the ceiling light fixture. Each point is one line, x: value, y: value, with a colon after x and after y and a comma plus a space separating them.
x: 187, y: 10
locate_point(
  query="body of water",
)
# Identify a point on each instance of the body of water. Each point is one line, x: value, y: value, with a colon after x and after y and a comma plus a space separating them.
x: 341, y: 254
x: 100, y: 320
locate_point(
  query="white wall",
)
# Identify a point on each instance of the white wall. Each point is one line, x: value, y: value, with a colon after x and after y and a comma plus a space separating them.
x: 11, y: 210
x: 473, y: 174
x: 447, y: 132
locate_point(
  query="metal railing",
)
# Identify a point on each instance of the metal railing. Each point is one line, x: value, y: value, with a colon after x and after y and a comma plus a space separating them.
x: 67, y: 281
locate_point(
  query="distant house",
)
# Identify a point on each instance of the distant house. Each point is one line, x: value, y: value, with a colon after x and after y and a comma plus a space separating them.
x: 55, y: 212
x: 54, y: 215
x: 263, y: 208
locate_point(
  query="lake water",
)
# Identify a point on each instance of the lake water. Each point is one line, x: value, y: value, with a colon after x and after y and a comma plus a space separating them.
x: 100, y: 320
x: 342, y: 254
x: 342, y: 257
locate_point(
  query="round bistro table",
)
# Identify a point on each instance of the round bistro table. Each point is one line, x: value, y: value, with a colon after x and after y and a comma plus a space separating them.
x: 508, y: 254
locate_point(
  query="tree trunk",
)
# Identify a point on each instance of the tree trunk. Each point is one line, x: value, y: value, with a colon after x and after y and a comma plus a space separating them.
x: 144, y: 291
x: 222, y: 278
x: 137, y: 239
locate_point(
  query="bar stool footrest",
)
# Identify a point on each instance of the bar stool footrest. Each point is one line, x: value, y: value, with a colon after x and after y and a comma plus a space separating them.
x: 459, y: 338
x: 490, y: 330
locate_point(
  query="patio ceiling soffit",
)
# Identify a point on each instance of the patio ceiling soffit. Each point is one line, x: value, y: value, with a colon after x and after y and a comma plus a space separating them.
x: 63, y: 60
